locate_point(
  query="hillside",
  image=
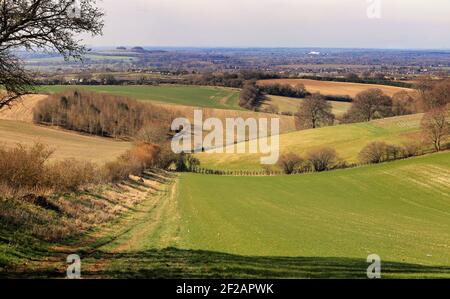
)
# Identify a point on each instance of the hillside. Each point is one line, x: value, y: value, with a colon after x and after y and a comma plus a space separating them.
x: 336, y: 88
x: 348, y: 140
x: 397, y: 210
x: 66, y: 144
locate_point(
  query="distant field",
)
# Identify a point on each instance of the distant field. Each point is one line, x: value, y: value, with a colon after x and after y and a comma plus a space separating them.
x: 325, y: 224
x: 348, y: 140
x: 286, y: 104
x: 66, y: 144
x: 336, y: 88
x: 198, y: 96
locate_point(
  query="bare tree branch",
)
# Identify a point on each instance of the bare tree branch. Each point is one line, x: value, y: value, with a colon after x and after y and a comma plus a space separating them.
x: 46, y: 25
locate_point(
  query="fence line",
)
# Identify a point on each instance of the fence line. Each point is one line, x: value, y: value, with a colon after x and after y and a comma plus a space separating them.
x: 255, y: 173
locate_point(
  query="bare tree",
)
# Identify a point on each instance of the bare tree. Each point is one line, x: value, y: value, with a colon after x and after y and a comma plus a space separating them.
x: 403, y: 103
x: 369, y: 104
x: 46, y: 25
x: 436, y: 126
x: 314, y: 112
x: 437, y: 96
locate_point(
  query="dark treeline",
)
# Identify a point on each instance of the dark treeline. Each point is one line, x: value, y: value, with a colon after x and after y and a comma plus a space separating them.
x: 356, y: 79
x: 235, y: 80
x: 285, y: 90
x: 100, y: 114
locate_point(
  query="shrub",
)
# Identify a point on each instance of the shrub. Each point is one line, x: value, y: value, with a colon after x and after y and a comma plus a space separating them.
x: 322, y: 159
x: 374, y: 152
x: 289, y: 162
x: 71, y: 175
x: 23, y: 166
x: 411, y: 149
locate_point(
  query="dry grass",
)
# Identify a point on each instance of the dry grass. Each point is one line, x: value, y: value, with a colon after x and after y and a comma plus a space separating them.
x: 330, y: 88
x: 66, y: 144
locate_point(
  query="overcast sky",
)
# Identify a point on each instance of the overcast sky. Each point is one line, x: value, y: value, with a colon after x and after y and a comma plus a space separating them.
x: 276, y: 23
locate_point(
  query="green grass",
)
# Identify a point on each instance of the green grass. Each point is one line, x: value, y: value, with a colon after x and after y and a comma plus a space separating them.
x: 399, y: 210
x: 198, y: 96
x: 347, y: 140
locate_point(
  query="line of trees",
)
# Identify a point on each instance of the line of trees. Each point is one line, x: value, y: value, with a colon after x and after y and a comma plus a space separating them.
x: 251, y: 96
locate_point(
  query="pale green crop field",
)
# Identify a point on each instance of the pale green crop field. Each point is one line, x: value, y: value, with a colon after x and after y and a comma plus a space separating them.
x: 347, y: 140
x: 399, y: 210
x: 198, y: 96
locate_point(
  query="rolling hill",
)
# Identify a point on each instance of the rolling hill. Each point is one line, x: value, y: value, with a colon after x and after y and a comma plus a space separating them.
x: 398, y: 210
x: 65, y: 143
x: 347, y: 139
x: 198, y: 96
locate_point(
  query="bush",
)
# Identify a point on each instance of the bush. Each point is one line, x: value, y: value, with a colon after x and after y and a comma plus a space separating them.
x: 322, y: 159
x: 71, y: 175
x: 374, y: 152
x: 289, y: 162
x: 411, y: 149
x: 23, y: 167
x: 27, y: 169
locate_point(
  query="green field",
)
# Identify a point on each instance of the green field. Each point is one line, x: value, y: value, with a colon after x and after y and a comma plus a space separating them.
x: 347, y: 140
x: 198, y: 96
x: 399, y: 210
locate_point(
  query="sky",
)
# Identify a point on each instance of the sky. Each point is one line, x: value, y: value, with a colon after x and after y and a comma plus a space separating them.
x: 276, y: 23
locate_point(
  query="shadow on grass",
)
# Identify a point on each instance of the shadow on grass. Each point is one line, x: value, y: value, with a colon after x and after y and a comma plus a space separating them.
x: 177, y: 263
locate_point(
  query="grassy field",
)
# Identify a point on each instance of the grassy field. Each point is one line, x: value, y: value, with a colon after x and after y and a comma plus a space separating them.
x: 286, y: 104
x: 66, y: 144
x: 336, y: 88
x: 348, y: 140
x: 320, y: 225
x: 198, y: 96
x: 398, y: 210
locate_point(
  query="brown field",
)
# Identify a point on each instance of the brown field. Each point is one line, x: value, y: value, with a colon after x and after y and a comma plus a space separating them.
x: 286, y: 104
x: 23, y: 109
x: 66, y: 144
x: 336, y: 88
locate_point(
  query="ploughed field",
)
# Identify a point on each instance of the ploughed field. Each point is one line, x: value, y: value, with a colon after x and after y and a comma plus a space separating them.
x: 330, y: 88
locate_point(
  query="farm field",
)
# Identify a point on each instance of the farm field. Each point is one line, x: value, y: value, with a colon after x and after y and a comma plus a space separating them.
x: 320, y: 225
x: 347, y: 140
x: 198, y: 96
x: 336, y: 88
x: 398, y: 210
x: 66, y: 144
x: 286, y: 104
